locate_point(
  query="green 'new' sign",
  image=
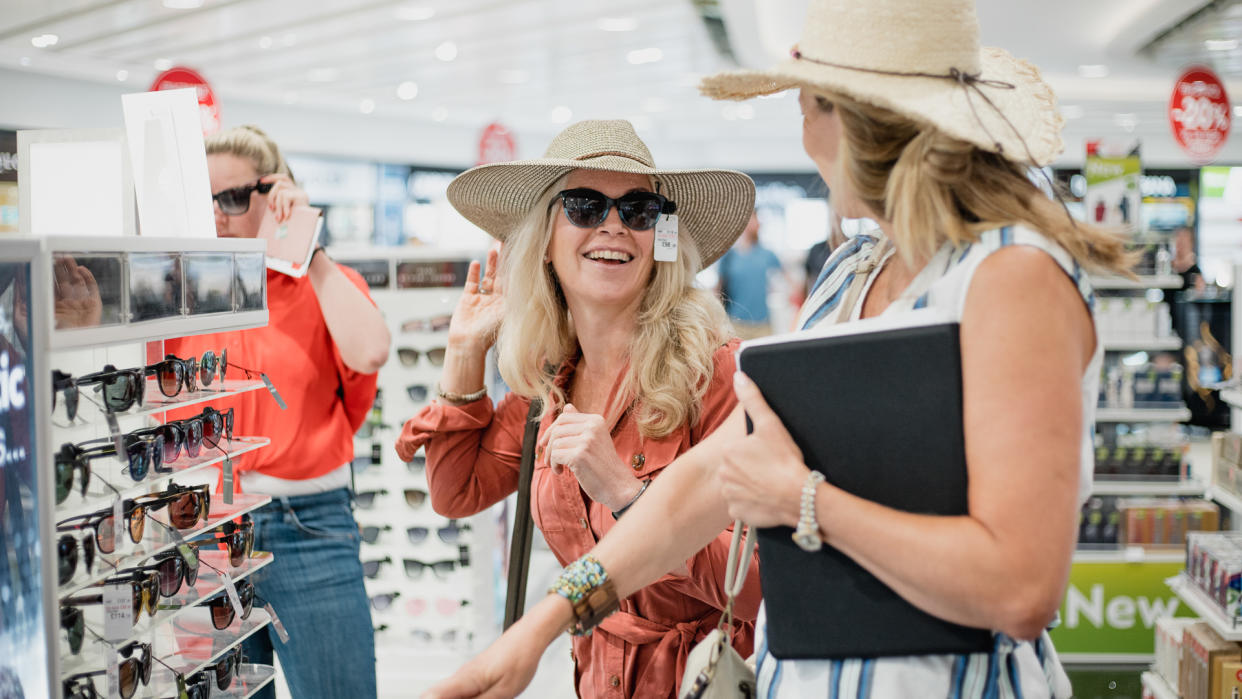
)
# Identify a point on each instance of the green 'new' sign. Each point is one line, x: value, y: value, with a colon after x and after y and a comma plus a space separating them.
x: 1113, y: 607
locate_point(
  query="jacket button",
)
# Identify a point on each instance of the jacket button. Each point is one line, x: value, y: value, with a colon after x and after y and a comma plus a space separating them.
x: 614, y: 681
x: 638, y: 461
x: 539, y: 453
x: 583, y: 522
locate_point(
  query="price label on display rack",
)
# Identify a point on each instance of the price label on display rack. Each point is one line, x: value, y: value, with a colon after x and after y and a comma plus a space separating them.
x: 1199, y: 114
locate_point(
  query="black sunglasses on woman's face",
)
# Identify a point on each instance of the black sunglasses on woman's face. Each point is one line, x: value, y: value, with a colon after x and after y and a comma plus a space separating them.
x: 639, y: 211
x: 236, y: 200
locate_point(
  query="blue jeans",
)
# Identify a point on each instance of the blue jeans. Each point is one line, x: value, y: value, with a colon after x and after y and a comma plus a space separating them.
x: 315, y: 586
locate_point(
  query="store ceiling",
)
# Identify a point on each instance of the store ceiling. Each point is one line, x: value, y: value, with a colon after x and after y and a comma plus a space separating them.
x: 537, y: 63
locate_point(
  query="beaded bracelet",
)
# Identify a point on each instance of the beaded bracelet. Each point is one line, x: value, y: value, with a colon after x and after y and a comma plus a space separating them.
x: 588, y: 588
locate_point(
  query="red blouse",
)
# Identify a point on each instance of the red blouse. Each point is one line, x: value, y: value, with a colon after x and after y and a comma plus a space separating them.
x: 473, y: 456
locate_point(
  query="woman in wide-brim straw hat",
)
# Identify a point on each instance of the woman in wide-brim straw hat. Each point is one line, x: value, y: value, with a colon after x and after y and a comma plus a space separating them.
x: 914, y: 125
x: 632, y: 362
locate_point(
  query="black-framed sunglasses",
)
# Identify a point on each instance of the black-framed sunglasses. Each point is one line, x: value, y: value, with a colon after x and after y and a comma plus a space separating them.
x: 236, y: 200
x: 414, y: 568
x: 104, y: 526
x: 371, y: 533
x: 72, y: 622
x: 121, y: 388
x: 66, y: 384
x: 173, y: 570
x: 187, y: 505
x: 639, y: 211
x: 222, y: 612
x: 67, y: 547
x: 143, y: 453
x: 144, y: 586
x: 238, y: 538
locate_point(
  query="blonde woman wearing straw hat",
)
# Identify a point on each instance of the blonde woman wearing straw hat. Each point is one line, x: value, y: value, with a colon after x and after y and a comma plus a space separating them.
x: 913, y: 124
x: 633, y: 364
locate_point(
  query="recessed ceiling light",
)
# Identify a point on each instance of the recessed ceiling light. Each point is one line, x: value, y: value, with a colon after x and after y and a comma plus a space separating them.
x: 44, y: 40
x: 439, y: 114
x: 745, y: 111
x: 183, y: 4
x: 366, y: 106
x: 24, y: 60
x: 1072, y: 111
x: 163, y: 63
x: 560, y: 114
x: 265, y: 42
x: 617, y: 24
x: 414, y: 13
x: 322, y: 75
x: 1220, y: 44
x: 122, y: 75
x: 513, y: 76
x: 1093, y: 70
x: 641, y: 56
x: 407, y: 90
x: 446, y: 51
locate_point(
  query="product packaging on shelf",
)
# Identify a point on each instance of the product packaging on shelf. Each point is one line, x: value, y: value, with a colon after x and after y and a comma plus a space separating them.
x: 1169, y: 631
x: 1204, y: 653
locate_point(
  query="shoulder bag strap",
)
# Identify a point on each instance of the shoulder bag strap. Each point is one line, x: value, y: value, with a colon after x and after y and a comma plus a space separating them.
x: 735, y: 571
x: 519, y: 547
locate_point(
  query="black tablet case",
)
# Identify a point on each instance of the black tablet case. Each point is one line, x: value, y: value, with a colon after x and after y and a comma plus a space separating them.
x: 880, y: 414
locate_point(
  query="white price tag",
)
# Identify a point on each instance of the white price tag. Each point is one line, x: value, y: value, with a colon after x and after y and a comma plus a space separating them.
x: 666, y: 238
x: 114, y: 429
x: 118, y: 603
x: 231, y: 590
x: 280, y: 628
x: 272, y: 389
x: 114, y: 677
x: 226, y: 491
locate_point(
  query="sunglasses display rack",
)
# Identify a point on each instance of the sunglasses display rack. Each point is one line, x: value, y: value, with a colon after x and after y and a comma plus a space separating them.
x: 139, y: 293
x: 434, y: 595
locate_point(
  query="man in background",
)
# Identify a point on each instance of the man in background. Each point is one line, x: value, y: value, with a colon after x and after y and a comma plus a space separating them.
x: 744, y: 271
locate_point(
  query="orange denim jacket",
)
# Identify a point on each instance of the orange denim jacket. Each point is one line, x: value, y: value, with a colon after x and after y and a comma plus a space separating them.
x: 473, y: 455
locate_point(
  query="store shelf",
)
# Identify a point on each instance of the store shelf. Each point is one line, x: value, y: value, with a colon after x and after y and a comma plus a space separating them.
x: 157, y: 539
x: 1164, y: 281
x: 210, y: 644
x: 170, y: 609
x: 1117, y: 344
x: 1225, y: 498
x: 1131, y: 554
x: 111, y: 472
x: 1232, y: 396
x: 1159, y: 689
x: 1144, y: 659
x: 1187, y: 487
x: 1175, y: 414
x: 1205, y: 607
x: 154, y: 402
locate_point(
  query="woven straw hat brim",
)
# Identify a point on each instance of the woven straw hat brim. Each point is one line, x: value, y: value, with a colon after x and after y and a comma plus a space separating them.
x: 713, y: 206
x: 1030, y: 107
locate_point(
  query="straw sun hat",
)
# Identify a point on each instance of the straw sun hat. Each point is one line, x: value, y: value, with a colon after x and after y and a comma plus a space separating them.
x: 921, y: 59
x: 713, y: 206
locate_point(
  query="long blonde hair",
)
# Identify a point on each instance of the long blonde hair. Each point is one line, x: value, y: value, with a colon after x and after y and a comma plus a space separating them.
x: 251, y: 143
x: 933, y: 187
x: 670, y: 362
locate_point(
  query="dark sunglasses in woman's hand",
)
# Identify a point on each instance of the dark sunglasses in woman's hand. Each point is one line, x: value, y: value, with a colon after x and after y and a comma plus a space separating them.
x: 639, y: 211
x: 236, y: 201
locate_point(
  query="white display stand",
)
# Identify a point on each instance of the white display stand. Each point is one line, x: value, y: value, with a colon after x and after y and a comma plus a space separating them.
x: 179, y: 631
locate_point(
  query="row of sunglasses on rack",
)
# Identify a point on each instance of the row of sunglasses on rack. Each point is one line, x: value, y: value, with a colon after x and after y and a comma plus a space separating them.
x: 187, y: 507
x: 166, y: 576
x: 137, y: 665
x: 122, y: 389
x: 450, y: 533
x: 147, y: 449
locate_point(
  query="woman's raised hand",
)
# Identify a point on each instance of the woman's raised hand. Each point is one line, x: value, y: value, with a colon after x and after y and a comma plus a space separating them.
x: 480, y: 308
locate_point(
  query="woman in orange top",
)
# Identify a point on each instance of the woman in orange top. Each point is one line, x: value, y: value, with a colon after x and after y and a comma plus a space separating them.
x: 322, y: 346
x: 633, y: 363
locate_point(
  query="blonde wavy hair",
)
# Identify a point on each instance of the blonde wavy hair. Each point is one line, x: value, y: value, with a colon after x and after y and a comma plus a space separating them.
x: 933, y: 187
x: 251, y: 143
x: 679, y: 328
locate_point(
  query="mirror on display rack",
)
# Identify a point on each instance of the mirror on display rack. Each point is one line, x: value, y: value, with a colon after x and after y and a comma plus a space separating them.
x: 249, y: 281
x: 154, y: 286
x: 87, y: 289
x: 209, y: 283
x: 24, y: 641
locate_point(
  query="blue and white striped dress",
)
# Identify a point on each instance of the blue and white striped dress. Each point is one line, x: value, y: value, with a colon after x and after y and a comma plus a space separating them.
x: 1014, y: 669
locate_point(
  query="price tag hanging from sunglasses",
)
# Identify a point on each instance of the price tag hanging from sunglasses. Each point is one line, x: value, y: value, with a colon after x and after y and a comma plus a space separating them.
x: 114, y: 430
x: 118, y: 522
x: 226, y: 485
x: 280, y: 628
x: 118, y: 602
x: 113, y: 674
x: 666, y: 238
x: 272, y: 389
x: 231, y: 590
